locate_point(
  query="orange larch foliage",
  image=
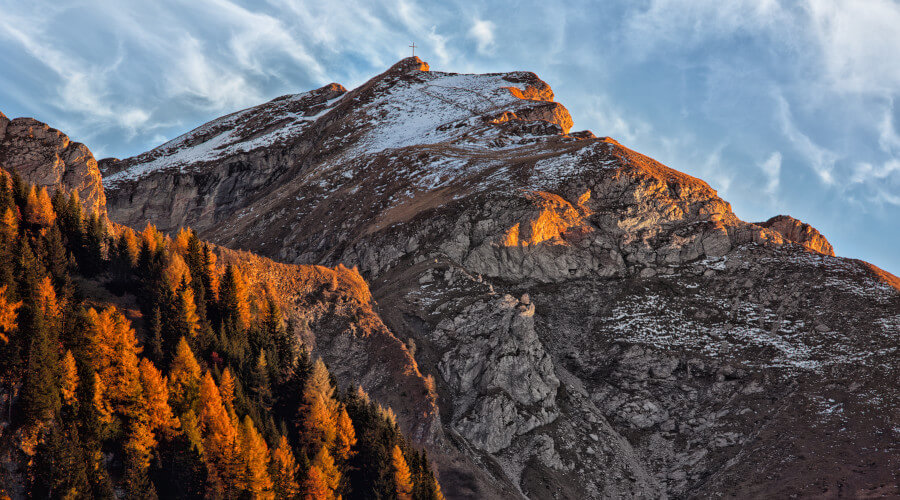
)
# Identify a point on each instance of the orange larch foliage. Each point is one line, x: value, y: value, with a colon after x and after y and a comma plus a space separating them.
x: 402, y: 476
x: 180, y: 242
x: 325, y: 463
x: 38, y: 208
x: 68, y: 379
x: 345, y: 437
x: 155, y: 399
x: 226, y: 389
x: 220, y: 438
x: 318, y: 426
x: 315, y: 487
x: 47, y: 298
x: 151, y: 237
x: 255, y: 458
x: 284, y: 470
x: 9, y: 225
x: 8, y: 315
x: 101, y: 403
x: 140, y: 444
x: 235, y: 295
x: 116, y: 356
x: 176, y: 270
x: 184, y: 378
x: 188, y: 307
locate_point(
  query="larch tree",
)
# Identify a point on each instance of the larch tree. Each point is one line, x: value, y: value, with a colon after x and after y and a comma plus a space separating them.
x: 226, y: 389
x: 220, y: 438
x: 38, y: 208
x: 255, y: 457
x: 284, y: 470
x: 184, y: 378
x: 402, y: 477
x: 315, y: 487
x: 68, y: 380
x: 345, y: 436
x: 188, y: 322
x: 116, y: 358
x: 234, y: 298
x: 8, y: 314
x: 325, y: 463
x: 155, y: 399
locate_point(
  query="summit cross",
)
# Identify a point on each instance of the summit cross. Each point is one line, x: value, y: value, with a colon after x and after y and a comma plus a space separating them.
x: 414, y: 48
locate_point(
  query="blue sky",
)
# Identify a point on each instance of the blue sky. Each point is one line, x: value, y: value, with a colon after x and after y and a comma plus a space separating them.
x: 783, y: 107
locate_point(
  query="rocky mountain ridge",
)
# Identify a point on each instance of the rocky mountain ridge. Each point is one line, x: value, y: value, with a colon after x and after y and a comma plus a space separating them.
x: 597, y: 324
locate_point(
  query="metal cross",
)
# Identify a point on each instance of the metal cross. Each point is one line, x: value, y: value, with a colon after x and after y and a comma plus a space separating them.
x: 414, y: 48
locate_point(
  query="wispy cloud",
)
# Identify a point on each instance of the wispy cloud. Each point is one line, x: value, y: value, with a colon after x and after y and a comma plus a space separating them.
x: 819, y: 158
x: 482, y: 31
x: 772, y: 170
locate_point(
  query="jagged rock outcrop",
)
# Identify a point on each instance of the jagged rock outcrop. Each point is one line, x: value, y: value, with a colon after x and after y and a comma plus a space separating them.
x: 45, y: 156
x: 491, y: 347
x: 799, y: 232
x: 665, y: 347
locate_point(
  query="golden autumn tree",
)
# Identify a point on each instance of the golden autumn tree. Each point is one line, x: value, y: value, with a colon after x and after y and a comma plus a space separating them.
x: 116, y: 357
x: 176, y: 270
x: 255, y: 458
x: 345, y: 436
x: 46, y: 295
x: 402, y: 477
x: 315, y: 487
x: 184, y: 378
x: 8, y: 315
x: 38, y: 208
x: 186, y: 309
x: 156, y: 409
x: 181, y: 240
x: 284, y: 470
x: 317, y: 424
x: 100, y: 402
x: 226, y: 389
x: 234, y: 297
x: 325, y: 463
x: 68, y: 379
x: 220, y: 438
x: 115, y: 351
x: 152, y: 238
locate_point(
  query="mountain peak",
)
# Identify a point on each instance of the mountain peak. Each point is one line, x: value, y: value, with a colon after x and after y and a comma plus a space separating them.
x: 799, y: 232
x: 408, y: 64
x: 47, y: 157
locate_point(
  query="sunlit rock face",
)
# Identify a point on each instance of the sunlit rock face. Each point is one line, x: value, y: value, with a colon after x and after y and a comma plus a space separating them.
x: 659, y: 345
x: 799, y: 232
x: 46, y: 157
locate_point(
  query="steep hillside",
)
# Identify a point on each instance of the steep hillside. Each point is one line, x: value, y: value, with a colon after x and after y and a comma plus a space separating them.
x: 599, y: 325
x: 104, y: 335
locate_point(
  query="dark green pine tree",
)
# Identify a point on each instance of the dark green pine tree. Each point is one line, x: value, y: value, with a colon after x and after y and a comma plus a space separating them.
x: 60, y: 451
x: 95, y: 236
x: 19, y: 190
x: 40, y: 394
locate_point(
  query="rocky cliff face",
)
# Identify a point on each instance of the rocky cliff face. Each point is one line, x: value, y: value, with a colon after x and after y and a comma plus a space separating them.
x: 597, y: 324
x: 799, y: 232
x: 46, y: 157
